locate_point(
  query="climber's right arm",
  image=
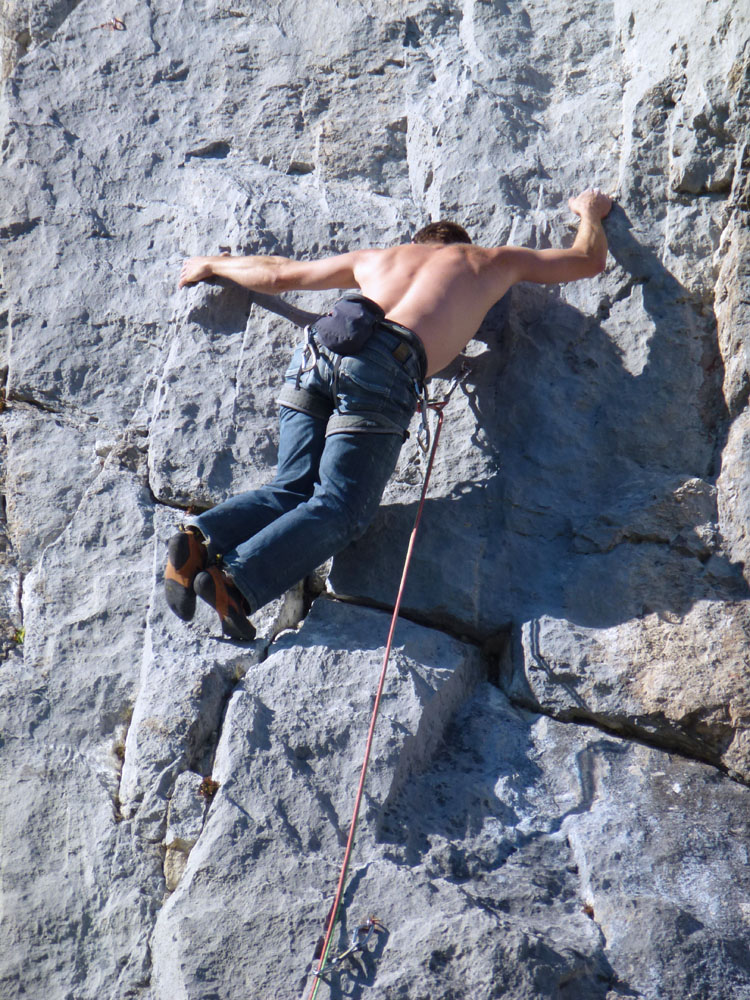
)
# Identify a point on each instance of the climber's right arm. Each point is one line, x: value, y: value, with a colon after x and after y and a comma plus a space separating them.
x: 273, y: 274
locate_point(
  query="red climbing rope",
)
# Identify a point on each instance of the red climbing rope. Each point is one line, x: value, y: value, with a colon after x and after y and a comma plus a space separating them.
x: 438, y: 407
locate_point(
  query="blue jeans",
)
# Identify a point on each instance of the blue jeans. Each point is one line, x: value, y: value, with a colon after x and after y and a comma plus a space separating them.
x: 342, y: 424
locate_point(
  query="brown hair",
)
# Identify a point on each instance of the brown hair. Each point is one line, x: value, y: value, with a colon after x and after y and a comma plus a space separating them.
x: 442, y: 232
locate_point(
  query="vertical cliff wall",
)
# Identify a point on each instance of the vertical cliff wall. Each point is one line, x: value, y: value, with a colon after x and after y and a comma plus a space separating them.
x: 559, y: 803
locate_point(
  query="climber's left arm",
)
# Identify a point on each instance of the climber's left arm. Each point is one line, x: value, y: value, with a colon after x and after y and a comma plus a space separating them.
x: 586, y: 258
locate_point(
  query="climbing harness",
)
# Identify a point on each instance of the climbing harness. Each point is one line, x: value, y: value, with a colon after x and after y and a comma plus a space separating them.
x: 346, y: 331
x: 310, y: 351
x: 438, y: 406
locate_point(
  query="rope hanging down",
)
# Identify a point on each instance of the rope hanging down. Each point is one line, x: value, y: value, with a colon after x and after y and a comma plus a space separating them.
x: 438, y: 407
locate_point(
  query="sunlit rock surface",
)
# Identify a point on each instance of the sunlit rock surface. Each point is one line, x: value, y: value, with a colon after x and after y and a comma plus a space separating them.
x: 558, y: 800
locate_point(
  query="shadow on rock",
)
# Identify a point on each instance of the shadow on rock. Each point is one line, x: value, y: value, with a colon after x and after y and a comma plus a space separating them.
x: 590, y: 495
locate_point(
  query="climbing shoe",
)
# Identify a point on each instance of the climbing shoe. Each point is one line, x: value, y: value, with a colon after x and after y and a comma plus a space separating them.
x: 218, y: 590
x: 186, y: 556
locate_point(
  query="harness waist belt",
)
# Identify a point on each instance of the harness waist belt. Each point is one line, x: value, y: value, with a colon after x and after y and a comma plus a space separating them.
x: 409, y: 342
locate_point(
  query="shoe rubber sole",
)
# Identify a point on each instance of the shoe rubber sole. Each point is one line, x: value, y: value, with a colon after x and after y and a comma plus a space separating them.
x: 212, y: 587
x: 186, y: 557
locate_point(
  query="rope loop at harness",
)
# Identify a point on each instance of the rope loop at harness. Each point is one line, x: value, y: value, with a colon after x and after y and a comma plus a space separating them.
x: 425, y: 403
x: 438, y: 406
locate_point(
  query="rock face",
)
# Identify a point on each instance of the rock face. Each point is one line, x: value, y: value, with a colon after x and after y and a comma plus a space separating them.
x: 558, y: 801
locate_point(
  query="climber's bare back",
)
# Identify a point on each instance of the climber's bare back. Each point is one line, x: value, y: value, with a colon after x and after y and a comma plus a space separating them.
x: 440, y: 291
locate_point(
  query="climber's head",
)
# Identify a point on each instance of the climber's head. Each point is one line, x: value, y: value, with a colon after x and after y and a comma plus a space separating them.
x: 442, y: 232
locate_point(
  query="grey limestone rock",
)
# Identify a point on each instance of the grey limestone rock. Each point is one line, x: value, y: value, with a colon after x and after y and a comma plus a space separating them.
x: 565, y: 866
x: 185, y: 816
x: 185, y: 813
x: 557, y: 805
x: 679, y: 681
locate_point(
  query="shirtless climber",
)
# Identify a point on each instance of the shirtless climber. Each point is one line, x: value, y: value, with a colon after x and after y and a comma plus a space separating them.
x: 345, y: 407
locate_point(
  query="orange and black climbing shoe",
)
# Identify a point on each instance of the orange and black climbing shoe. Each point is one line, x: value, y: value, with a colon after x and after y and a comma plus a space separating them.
x: 218, y: 590
x: 186, y: 556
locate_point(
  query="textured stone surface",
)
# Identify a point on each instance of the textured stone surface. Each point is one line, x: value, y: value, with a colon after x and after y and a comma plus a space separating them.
x: 584, y: 544
x: 288, y: 759
x: 682, y: 683
x: 530, y: 859
x: 23, y: 25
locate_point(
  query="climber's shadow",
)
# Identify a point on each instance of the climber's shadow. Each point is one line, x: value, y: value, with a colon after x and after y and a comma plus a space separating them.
x: 598, y: 438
